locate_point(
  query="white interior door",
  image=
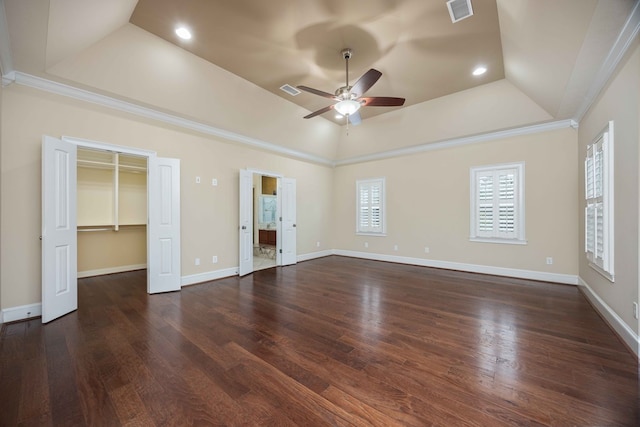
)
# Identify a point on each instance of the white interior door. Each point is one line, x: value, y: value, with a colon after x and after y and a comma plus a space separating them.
x: 163, y: 252
x: 289, y: 255
x: 246, y: 223
x: 59, y: 235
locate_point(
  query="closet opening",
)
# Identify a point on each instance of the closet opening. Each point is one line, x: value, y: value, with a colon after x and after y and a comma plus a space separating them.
x: 111, y: 212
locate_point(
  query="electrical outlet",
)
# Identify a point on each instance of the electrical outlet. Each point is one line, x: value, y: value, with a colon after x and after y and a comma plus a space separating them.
x: 197, y: 261
x: 426, y: 249
x: 197, y: 180
x: 214, y: 259
x: 317, y: 244
x: 214, y: 182
x: 395, y: 247
x: 635, y: 310
x: 549, y: 260
x: 366, y: 244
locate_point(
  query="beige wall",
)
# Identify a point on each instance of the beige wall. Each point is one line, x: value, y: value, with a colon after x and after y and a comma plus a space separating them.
x: 1, y: 203
x: 486, y: 108
x: 620, y: 102
x: 428, y: 204
x: 209, y: 214
x: 102, y: 250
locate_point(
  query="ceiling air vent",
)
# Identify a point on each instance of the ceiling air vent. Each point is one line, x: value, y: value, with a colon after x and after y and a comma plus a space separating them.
x: 459, y: 9
x: 290, y: 90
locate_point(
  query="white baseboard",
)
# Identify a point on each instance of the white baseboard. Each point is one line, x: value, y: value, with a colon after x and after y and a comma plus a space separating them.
x: 567, y: 279
x: 22, y: 312
x: 233, y: 271
x: 208, y: 276
x: 111, y: 270
x: 314, y: 255
x: 611, y: 317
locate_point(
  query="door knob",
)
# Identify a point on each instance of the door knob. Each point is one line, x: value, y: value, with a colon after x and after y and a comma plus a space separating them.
x: 294, y: 225
x: 244, y: 227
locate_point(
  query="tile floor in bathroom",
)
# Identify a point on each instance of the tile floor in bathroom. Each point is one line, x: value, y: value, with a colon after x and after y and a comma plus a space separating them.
x: 264, y: 256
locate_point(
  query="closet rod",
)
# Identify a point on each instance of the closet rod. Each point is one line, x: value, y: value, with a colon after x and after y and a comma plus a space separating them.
x: 113, y: 228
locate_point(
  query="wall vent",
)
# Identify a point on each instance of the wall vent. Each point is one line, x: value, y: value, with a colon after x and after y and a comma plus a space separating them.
x: 459, y: 9
x: 290, y: 90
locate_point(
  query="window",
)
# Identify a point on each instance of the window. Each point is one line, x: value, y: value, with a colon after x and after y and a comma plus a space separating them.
x: 598, y: 183
x: 370, y: 210
x: 497, y: 203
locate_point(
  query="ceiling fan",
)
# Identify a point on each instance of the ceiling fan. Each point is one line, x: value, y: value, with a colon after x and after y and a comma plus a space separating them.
x: 350, y: 98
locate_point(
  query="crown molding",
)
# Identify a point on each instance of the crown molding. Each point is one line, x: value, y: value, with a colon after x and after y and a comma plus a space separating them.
x: 8, y: 78
x: 6, y: 61
x: 457, y: 142
x: 149, y: 113
x: 618, y: 50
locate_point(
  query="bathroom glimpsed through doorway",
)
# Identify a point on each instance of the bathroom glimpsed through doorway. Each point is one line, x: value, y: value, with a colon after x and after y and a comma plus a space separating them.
x: 265, y: 207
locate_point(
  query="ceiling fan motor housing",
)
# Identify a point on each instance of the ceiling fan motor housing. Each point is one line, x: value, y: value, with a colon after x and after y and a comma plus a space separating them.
x: 345, y: 93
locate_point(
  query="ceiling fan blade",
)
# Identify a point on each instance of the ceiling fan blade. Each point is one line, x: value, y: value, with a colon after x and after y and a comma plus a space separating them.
x: 317, y: 92
x: 365, y: 82
x: 355, y: 118
x: 381, y: 101
x: 321, y: 111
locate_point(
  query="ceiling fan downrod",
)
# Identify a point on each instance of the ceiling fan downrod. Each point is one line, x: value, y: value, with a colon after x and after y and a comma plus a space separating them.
x: 346, y: 54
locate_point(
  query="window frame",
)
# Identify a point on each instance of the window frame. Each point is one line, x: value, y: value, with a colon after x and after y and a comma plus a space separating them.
x: 381, y: 230
x: 475, y: 235
x: 602, y: 143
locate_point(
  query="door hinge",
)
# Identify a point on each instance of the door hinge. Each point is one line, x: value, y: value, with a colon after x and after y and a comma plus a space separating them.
x: 280, y: 250
x: 280, y: 219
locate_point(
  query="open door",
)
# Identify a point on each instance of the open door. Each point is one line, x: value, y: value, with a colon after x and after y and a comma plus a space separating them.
x: 59, y: 238
x: 163, y: 253
x: 246, y: 223
x: 288, y: 212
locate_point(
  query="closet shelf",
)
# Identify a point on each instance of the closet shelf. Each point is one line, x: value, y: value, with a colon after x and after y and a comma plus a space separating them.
x: 94, y: 164
x: 83, y: 228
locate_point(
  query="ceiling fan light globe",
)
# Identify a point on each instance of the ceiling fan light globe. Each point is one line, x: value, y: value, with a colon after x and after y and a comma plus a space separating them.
x: 347, y: 107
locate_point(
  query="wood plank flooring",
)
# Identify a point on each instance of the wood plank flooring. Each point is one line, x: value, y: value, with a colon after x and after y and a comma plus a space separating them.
x: 333, y: 341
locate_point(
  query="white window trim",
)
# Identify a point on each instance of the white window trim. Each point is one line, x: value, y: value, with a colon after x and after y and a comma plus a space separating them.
x: 606, y: 266
x: 382, y: 182
x: 520, y: 206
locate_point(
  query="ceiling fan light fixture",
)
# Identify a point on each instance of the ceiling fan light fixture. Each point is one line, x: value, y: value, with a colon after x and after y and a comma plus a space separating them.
x: 347, y: 107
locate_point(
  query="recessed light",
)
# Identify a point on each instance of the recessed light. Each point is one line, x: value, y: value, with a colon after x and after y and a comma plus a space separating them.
x: 479, y: 71
x: 183, y: 33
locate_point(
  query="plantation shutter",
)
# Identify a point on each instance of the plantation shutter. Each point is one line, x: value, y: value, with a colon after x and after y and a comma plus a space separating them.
x: 594, y: 194
x: 370, y: 206
x: 485, y: 205
x: 506, y: 203
x: 496, y: 201
x: 365, y: 210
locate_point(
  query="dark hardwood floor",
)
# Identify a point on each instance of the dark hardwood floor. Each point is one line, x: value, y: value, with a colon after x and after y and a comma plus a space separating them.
x: 333, y: 341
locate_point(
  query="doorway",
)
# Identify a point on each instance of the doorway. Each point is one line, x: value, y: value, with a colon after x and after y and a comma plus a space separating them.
x: 267, y: 221
x: 112, y: 212
x: 60, y: 222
